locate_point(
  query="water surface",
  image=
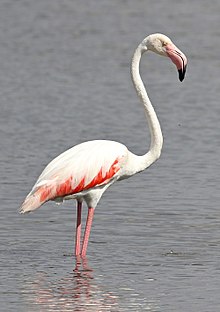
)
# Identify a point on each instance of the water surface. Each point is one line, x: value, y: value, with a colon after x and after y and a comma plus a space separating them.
x: 65, y: 79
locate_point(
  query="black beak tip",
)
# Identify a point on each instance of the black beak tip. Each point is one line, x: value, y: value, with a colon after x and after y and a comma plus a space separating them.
x: 182, y: 72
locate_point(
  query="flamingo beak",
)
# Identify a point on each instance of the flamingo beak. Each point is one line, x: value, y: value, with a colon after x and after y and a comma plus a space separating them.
x: 178, y: 58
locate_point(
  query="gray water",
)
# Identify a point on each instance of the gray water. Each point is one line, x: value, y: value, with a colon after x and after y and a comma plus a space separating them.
x: 64, y: 79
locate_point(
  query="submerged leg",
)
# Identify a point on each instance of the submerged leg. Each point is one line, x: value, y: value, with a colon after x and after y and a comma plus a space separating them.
x: 78, y: 263
x: 87, y: 231
x: 78, y: 229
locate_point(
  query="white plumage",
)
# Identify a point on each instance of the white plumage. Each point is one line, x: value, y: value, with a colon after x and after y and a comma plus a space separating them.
x: 98, y: 160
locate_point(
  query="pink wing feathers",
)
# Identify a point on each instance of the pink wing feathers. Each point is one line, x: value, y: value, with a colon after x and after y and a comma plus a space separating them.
x: 78, y: 169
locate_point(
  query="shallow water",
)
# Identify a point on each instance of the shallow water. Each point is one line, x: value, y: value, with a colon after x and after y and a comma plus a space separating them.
x: 65, y: 79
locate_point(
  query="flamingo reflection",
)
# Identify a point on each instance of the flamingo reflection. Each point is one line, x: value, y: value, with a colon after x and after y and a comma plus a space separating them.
x: 77, y: 292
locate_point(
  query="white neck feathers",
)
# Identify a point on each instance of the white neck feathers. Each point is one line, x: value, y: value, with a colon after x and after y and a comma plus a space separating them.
x: 153, y: 123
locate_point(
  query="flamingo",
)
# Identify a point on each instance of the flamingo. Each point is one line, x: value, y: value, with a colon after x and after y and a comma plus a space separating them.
x: 85, y: 171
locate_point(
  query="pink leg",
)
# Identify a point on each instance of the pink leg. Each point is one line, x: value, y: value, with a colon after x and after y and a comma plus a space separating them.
x: 87, y: 231
x: 78, y: 229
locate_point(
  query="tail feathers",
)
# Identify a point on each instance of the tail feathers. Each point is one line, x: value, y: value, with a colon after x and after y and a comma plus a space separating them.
x: 41, y: 193
x: 36, y: 198
x: 31, y: 203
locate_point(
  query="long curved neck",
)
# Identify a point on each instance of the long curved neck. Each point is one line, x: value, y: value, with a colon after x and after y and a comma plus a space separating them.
x: 153, y: 123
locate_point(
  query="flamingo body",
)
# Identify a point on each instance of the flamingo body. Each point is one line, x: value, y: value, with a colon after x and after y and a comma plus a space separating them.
x: 86, y: 170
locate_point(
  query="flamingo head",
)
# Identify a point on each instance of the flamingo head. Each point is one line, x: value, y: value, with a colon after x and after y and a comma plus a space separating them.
x: 162, y: 45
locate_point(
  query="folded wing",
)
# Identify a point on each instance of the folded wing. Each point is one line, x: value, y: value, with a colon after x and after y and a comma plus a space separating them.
x: 83, y: 167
